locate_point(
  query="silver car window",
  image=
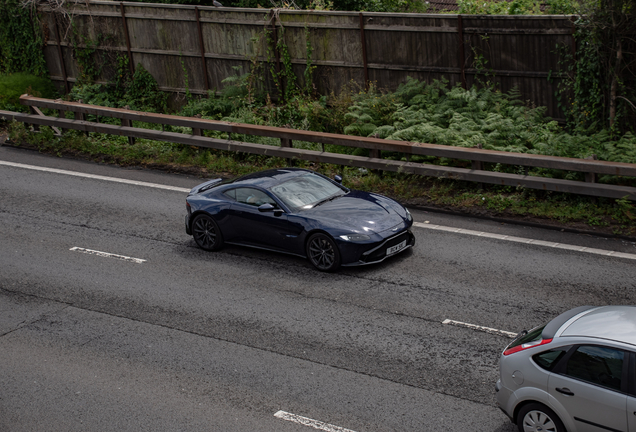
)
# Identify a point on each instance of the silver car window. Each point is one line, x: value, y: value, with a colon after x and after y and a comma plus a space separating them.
x: 548, y: 359
x: 597, y: 365
x: 253, y: 197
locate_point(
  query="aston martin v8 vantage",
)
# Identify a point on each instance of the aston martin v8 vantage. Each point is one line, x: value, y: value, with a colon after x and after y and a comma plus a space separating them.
x: 299, y: 212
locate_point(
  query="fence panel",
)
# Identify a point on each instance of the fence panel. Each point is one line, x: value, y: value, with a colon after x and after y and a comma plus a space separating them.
x: 195, y: 48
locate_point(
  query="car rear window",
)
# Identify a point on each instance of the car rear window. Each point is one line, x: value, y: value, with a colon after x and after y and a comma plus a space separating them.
x: 531, y: 336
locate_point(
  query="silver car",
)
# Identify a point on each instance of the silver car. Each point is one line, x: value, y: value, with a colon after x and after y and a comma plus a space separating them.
x: 576, y: 374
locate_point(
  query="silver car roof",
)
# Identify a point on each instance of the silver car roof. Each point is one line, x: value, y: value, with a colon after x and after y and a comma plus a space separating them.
x: 617, y: 323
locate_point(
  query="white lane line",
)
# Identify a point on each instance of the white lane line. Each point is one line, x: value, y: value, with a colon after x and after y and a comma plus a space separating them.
x: 107, y: 255
x: 310, y: 422
x: 480, y: 328
x: 526, y: 240
x: 417, y: 224
x: 95, y: 177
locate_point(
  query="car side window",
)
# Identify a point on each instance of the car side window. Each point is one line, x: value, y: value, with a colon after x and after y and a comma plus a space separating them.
x: 548, y: 359
x: 597, y: 365
x: 230, y: 193
x: 253, y: 197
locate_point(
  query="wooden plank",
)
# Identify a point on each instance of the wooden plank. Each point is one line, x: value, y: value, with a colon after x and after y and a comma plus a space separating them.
x: 558, y: 185
x: 473, y: 154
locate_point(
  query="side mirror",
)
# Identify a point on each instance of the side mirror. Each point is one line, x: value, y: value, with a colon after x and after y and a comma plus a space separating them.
x: 338, y: 179
x: 267, y: 207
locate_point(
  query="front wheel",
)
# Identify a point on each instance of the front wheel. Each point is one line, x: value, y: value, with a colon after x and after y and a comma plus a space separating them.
x: 323, y: 252
x: 536, y: 417
x: 206, y: 233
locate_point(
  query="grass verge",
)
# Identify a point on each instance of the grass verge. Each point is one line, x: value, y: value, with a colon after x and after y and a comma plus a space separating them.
x: 600, y: 215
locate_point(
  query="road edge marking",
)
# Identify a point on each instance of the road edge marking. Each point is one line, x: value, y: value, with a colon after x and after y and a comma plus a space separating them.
x: 526, y: 241
x: 95, y: 176
x: 305, y: 421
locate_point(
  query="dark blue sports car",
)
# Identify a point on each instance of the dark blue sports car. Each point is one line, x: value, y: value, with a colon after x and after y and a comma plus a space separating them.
x: 299, y: 212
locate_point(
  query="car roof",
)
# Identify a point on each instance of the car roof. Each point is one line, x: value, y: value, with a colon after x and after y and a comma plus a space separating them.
x: 268, y: 178
x: 617, y: 323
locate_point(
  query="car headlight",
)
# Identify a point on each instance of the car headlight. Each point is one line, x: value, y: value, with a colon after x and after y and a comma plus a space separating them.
x: 355, y: 237
x: 408, y: 214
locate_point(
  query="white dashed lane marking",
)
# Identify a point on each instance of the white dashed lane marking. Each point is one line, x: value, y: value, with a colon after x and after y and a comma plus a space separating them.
x: 479, y: 328
x: 107, y: 255
x: 310, y: 422
x: 526, y: 240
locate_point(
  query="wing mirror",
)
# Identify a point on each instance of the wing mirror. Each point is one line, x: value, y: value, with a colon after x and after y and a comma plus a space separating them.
x: 267, y: 207
x: 338, y: 179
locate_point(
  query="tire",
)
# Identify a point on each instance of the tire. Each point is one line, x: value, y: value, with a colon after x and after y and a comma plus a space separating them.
x: 536, y: 417
x: 206, y: 233
x: 323, y: 253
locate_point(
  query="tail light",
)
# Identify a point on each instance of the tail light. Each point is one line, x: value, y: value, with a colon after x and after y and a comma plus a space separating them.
x: 526, y: 345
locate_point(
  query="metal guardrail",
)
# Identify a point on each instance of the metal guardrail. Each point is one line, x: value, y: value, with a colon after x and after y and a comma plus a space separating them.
x: 375, y: 145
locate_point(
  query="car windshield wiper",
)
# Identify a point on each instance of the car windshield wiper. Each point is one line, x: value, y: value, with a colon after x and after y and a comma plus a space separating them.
x: 333, y: 197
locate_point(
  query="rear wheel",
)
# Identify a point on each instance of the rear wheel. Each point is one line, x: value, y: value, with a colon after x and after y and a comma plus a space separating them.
x: 206, y: 233
x: 536, y: 417
x: 323, y: 252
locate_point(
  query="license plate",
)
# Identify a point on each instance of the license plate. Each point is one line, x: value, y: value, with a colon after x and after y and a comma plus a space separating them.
x: 394, y: 249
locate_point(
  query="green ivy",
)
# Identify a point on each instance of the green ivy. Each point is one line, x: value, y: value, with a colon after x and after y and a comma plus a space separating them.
x: 21, y: 43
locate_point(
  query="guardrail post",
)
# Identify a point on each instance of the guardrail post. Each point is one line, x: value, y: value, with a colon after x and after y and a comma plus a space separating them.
x: 286, y: 142
x: 127, y: 123
x: 477, y: 165
x: 591, y: 177
x: 80, y: 116
x: 35, y: 127
x: 197, y: 131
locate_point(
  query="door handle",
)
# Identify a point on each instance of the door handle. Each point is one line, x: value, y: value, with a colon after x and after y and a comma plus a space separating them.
x: 565, y: 391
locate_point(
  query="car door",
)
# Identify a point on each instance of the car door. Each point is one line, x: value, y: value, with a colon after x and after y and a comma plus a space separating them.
x: 253, y: 227
x: 590, y: 385
x: 631, y: 397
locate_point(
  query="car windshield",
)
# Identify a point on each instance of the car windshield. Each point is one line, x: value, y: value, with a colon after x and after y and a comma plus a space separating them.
x: 306, y: 191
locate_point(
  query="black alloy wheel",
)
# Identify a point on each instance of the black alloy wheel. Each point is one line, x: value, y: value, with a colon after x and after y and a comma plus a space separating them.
x: 323, y: 253
x: 536, y: 417
x: 206, y: 233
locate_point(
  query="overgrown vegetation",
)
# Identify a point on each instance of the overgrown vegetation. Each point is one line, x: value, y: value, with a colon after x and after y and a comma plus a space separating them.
x: 600, y: 90
x: 434, y: 113
x: 21, y: 40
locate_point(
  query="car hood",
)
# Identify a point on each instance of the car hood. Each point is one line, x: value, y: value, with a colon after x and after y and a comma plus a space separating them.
x: 360, y: 212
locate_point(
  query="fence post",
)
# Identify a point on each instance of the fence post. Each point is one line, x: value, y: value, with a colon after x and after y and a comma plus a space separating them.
x: 131, y: 65
x: 59, y: 53
x: 274, y: 30
x: 462, y: 54
x: 364, y: 53
x: 203, y: 63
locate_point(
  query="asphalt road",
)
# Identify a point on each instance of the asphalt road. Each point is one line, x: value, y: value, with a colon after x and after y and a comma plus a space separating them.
x: 194, y: 341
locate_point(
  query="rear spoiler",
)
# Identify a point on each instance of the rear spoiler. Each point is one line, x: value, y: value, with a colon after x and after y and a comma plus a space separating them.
x: 205, y: 186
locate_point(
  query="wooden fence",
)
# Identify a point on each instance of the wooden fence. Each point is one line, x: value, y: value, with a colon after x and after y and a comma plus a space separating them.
x: 189, y: 48
x: 375, y: 145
